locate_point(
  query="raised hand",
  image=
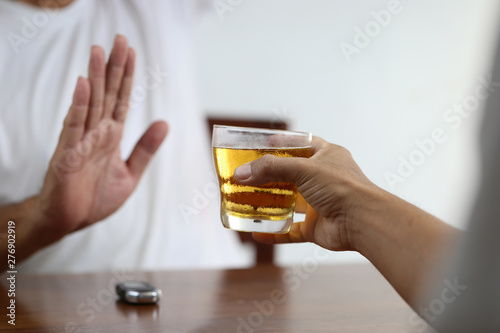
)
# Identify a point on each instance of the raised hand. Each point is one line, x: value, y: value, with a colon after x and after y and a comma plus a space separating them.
x: 87, y: 179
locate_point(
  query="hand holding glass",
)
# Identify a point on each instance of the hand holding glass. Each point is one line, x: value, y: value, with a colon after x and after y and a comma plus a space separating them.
x: 267, y: 208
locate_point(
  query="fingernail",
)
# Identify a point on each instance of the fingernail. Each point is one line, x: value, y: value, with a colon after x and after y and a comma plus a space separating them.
x: 243, y: 172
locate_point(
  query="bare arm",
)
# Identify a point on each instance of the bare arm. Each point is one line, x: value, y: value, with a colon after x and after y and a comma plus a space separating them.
x: 345, y: 211
x: 87, y: 180
x: 30, y: 234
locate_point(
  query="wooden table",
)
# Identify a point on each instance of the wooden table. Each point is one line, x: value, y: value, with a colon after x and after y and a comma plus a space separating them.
x: 304, y: 298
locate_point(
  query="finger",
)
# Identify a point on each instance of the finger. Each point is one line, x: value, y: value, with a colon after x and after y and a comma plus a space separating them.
x: 74, y: 123
x: 121, y: 108
x: 146, y: 147
x: 97, y: 86
x: 300, y: 204
x: 318, y: 143
x: 114, y: 73
x: 295, y: 235
x: 273, y: 169
x: 270, y: 168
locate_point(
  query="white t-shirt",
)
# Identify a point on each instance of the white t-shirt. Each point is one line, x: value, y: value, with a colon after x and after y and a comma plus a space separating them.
x: 171, y: 220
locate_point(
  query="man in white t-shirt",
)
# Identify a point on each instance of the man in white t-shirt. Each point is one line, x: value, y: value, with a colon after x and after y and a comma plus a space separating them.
x: 170, y: 219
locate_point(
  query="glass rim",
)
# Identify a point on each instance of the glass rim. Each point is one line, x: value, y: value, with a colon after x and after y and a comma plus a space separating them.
x: 262, y: 130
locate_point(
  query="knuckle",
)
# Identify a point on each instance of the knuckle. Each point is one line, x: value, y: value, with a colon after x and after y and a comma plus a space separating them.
x: 120, y: 114
x: 266, y: 169
x: 95, y: 107
x: 334, y: 153
x: 123, y: 102
x: 111, y: 96
x: 266, y: 164
x: 344, y: 151
x: 304, y: 171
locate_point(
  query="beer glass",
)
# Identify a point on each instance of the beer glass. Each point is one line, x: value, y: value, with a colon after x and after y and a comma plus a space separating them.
x: 268, y: 208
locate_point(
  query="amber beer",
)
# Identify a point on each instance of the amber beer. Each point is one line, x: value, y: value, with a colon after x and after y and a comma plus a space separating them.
x: 267, y: 208
x: 274, y: 201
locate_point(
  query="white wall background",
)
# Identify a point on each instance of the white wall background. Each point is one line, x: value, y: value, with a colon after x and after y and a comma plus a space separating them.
x: 281, y: 58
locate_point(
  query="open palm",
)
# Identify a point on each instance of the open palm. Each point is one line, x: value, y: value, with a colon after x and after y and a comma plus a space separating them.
x: 87, y: 179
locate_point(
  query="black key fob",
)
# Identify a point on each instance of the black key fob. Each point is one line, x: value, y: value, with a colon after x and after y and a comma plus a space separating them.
x: 138, y: 292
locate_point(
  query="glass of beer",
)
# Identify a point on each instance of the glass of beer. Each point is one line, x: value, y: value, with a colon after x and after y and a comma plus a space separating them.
x: 268, y: 208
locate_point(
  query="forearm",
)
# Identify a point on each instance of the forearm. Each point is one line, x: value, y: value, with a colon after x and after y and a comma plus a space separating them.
x: 406, y: 244
x: 31, y: 231
x: 349, y: 212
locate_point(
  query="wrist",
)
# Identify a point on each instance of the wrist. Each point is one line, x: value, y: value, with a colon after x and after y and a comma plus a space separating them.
x: 41, y: 223
x: 37, y: 231
x: 373, y: 210
x: 33, y: 232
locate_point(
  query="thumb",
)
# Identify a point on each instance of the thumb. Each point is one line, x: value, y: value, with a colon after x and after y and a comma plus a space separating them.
x: 146, y: 148
x: 272, y: 169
